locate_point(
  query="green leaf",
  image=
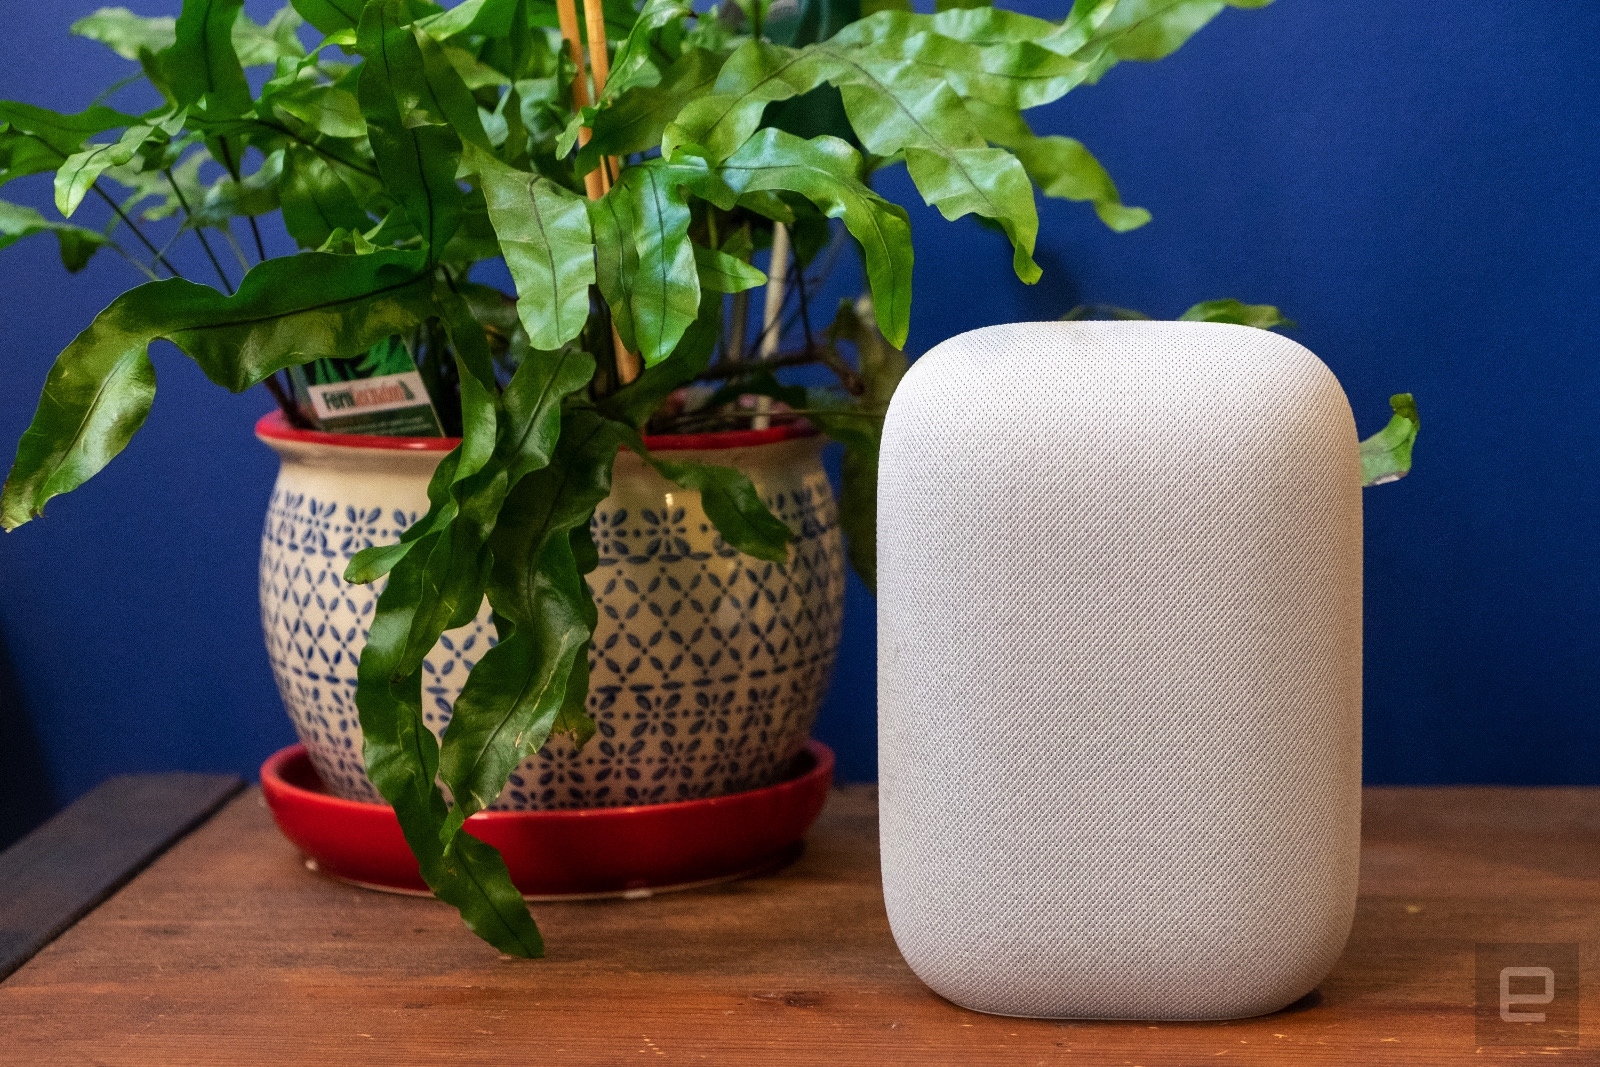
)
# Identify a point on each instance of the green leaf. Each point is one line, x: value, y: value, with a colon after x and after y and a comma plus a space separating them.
x: 634, y: 62
x: 325, y: 108
x: 77, y: 244
x: 330, y: 16
x: 374, y: 562
x: 456, y: 559
x: 263, y: 46
x: 616, y: 260
x: 60, y: 134
x: 533, y: 405
x: 1261, y: 316
x: 1386, y: 455
x: 78, y: 173
x: 315, y: 199
x: 480, y: 404
x: 646, y: 262
x: 981, y: 53
x: 633, y: 404
x: 635, y: 120
x: 125, y: 33
x: 416, y: 152
x: 449, y: 97
x: 455, y: 568
x: 1153, y: 29
x: 402, y: 759
x: 471, y: 16
x: 513, y: 697
x: 989, y: 182
x: 1060, y: 166
x: 894, y: 109
x: 722, y: 273
x: 857, y: 424
x: 827, y: 172
x: 731, y: 503
x: 201, y: 66
x: 254, y: 194
x: 755, y: 75
x: 474, y: 73
x: 287, y: 311
x: 545, y: 236
x: 95, y: 399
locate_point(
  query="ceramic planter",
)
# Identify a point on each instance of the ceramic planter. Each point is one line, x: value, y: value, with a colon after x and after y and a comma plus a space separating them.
x: 707, y: 666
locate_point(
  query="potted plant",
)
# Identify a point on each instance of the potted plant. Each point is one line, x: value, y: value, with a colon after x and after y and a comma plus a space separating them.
x: 626, y: 169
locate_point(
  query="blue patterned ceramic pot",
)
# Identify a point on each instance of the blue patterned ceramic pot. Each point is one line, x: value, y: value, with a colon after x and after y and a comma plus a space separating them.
x: 707, y: 666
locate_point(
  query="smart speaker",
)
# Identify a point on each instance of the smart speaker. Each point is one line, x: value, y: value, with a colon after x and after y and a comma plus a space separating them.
x: 1119, y: 643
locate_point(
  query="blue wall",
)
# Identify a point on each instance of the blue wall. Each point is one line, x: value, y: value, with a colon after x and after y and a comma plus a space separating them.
x: 1414, y: 183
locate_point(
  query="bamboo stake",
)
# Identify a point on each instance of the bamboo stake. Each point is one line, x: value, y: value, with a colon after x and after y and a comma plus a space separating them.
x: 594, y: 17
x: 771, y: 324
x: 598, y: 181
x: 567, y: 18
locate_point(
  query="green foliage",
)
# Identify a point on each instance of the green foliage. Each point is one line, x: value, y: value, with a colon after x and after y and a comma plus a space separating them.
x: 77, y: 244
x: 286, y: 312
x: 450, y: 137
x: 1386, y: 455
x: 731, y: 503
x: 1261, y: 316
x: 545, y: 238
x: 857, y: 423
x: 828, y: 173
x: 127, y: 34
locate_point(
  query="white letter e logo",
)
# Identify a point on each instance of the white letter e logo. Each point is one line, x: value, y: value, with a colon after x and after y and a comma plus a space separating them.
x: 1508, y: 998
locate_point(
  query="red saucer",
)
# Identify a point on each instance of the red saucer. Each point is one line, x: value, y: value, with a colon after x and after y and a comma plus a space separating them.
x: 593, y: 852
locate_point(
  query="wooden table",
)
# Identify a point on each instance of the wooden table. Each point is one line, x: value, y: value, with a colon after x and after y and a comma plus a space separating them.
x: 228, y: 950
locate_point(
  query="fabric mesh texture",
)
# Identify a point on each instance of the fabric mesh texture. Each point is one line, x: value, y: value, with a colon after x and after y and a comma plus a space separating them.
x: 1119, y: 619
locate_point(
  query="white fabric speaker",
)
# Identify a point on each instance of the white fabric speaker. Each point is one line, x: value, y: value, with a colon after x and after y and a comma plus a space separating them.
x: 1119, y: 641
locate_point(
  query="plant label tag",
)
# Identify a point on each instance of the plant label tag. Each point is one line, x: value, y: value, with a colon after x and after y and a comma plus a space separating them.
x: 379, y: 393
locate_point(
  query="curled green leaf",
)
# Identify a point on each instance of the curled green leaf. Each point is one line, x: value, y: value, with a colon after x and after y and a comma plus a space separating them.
x: 1261, y: 316
x: 1386, y: 455
x: 827, y: 172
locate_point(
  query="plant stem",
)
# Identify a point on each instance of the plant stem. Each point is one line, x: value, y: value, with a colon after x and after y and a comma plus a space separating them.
x: 161, y: 257
x: 277, y: 127
x: 238, y: 253
x: 694, y: 418
x: 805, y: 312
x: 255, y: 231
x: 813, y: 354
x: 134, y: 263
x: 777, y: 292
x: 738, y: 325
x: 291, y: 413
x: 199, y: 231
x: 234, y: 173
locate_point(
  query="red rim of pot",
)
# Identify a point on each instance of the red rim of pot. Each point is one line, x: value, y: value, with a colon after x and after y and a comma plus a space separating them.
x: 274, y: 426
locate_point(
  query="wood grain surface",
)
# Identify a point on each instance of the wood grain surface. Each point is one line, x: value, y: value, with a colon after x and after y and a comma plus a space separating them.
x: 228, y: 951
x: 53, y: 877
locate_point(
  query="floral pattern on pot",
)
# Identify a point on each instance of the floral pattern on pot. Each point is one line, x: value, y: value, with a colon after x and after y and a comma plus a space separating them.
x: 706, y: 669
